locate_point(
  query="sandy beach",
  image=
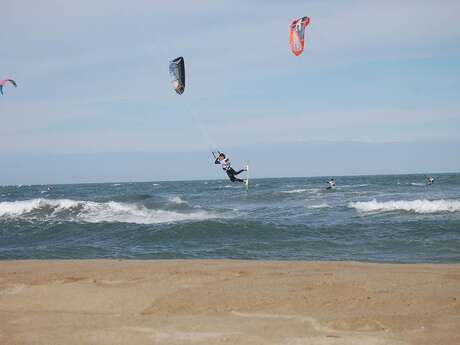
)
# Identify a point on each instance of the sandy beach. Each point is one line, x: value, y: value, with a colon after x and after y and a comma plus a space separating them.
x: 228, y: 302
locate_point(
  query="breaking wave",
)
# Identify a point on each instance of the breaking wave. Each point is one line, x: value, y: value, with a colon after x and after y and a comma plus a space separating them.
x: 416, y: 206
x: 177, y: 200
x: 95, y: 212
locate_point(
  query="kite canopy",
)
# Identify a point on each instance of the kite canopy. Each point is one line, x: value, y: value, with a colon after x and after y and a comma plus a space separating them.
x: 177, y: 73
x: 4, y: 82
x: 297, y: 34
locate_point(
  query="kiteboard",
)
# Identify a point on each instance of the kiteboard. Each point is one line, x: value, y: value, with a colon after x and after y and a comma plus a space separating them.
x: 246, y: 182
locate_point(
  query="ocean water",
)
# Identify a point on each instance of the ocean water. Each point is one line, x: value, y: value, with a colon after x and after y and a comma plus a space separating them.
x: 394, y: 218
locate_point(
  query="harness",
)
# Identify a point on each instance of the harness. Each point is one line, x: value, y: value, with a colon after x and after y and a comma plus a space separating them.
x: 225, y: 164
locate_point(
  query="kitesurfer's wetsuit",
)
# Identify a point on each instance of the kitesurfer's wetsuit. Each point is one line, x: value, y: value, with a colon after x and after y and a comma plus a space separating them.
x: 231, y: 173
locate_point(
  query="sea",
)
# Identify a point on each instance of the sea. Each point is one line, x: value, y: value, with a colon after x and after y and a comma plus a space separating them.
x: 392, y: 218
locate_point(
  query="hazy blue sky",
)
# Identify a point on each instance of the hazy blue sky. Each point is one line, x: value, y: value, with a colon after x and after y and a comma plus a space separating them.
x: 93, y: 78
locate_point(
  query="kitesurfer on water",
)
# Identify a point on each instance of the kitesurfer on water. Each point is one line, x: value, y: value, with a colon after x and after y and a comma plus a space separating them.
x: 225, y: 162
x: 331, y: 184
x: 430, y: 180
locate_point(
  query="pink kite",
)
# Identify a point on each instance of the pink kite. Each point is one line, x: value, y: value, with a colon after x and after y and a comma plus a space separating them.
x: 297, y: 34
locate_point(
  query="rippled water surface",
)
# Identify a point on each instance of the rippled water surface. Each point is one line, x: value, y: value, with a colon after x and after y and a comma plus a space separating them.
x: 394, y: 218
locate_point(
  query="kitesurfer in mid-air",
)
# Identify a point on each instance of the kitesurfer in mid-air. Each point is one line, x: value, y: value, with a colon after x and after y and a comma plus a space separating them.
x: 225, y: 162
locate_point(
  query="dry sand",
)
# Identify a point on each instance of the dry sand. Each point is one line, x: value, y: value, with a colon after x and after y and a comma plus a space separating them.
x: 228, y: 302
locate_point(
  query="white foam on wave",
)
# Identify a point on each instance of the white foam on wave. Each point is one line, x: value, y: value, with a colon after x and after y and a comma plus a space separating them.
x: 294, y: 191
x: 417, y: 184
x: 18, y: 208
x: 177, y: 200
x: 319, y: 206
x: 417, y: 206
x: 302, y: 190
x: 354, y: 185
x: 129, y: 213
x: 95, y: 212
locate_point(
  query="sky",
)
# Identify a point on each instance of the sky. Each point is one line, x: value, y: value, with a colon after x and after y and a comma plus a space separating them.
x: 93, y: 82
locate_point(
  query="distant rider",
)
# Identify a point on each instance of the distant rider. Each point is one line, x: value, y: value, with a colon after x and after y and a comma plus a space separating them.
x: 430, y: 180
x: 225, y: 162
x: 331, y: 183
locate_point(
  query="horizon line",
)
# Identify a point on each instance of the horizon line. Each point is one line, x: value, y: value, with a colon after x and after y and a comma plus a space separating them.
x: 224, y: 179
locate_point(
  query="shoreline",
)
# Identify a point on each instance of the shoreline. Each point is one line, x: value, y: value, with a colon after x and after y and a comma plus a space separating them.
x: 123, y: 301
